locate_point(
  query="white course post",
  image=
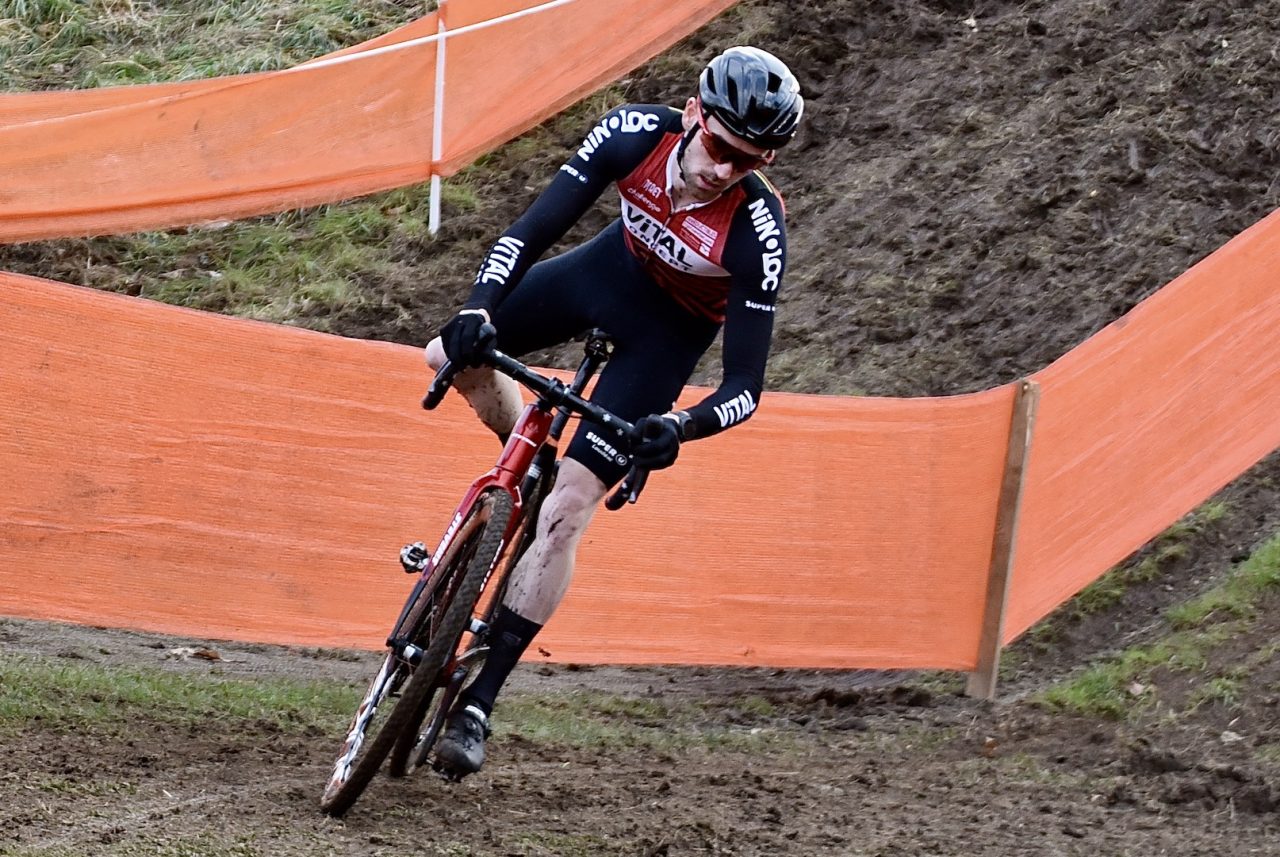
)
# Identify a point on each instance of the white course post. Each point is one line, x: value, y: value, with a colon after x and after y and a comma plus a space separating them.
x: 437, y: 130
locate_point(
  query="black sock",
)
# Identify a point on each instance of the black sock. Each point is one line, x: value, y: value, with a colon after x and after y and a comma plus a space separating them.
x: 509, y: 636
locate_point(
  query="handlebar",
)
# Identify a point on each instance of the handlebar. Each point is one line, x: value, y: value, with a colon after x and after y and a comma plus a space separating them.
x: 556, y: 394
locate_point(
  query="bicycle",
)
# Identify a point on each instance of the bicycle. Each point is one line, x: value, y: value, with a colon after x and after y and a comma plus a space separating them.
x: 441, y: 634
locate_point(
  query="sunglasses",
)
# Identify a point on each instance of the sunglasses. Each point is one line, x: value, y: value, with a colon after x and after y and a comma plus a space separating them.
x: 723, y: 152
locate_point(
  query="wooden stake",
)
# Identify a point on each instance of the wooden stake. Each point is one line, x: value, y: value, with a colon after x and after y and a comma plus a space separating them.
x: 982, y: 681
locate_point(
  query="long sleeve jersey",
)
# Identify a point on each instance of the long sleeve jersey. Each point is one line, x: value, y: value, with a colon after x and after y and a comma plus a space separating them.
x: 722, y: 260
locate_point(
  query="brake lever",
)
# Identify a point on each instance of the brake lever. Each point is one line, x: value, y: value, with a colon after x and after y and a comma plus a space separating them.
x: 439, y: 386
x: 444, y: 378
x: 629, y: 490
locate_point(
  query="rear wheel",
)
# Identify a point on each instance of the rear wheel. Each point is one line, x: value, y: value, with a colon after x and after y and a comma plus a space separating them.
x: 432, y: 624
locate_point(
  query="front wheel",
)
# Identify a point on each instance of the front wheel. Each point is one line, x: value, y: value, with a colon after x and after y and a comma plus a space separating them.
x: 415, y: 745
x: 433, y: 624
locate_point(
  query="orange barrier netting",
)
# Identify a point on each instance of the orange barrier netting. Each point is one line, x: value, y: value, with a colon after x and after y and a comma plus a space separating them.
x: 1148, y: 418
x: 175, y: 471
x: 142, y: 157
x: 17, y: 108
x: 503, y: 80
x: 209, y: 476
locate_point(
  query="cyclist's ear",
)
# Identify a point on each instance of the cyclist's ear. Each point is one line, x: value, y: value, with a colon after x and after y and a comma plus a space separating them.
x: 689, y: 117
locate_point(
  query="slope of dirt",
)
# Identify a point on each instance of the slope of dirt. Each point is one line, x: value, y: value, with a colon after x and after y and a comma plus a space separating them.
x: 977, y: 190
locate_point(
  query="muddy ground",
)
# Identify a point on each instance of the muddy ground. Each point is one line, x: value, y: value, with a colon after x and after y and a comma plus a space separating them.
x: 978, y: 188
x: 837, y: 763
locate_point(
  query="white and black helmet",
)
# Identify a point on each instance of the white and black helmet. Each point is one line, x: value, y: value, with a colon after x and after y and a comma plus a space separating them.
x: 754, y: 95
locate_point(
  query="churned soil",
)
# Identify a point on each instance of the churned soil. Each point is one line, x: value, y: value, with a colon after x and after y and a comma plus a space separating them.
x: 824, y: 763
x: 978, y: 188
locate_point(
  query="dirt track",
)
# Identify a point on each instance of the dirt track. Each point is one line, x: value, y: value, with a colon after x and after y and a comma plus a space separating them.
x: 972, y: 197
x: 827, y: 768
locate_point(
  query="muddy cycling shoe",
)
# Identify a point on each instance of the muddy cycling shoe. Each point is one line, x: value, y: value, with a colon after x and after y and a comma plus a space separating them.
x: 461, y: 750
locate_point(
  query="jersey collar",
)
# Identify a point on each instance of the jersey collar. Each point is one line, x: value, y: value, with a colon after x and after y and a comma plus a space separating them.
x: 673, y: 172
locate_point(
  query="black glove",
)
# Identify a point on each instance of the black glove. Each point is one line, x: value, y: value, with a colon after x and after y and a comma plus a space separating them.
x: 659, y: 443
x: 466, y: 337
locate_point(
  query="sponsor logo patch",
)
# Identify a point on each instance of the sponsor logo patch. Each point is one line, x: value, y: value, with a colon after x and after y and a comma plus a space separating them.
x: 675, y: 253
x: 568, y: 168
x: 702, y: 230
x: 736, y: 409
x: 501, y: 260
x: 770, y: 236
x: 641, y: 199
x: 627, y: 122
x: 604, y: 449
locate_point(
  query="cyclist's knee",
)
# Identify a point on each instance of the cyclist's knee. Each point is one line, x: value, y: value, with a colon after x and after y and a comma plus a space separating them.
x: 435, y: 354
x: 572, y: 502
x: 575, y: 481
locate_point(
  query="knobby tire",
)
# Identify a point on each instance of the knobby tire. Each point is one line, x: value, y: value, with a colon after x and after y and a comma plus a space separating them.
x: 409, y: 708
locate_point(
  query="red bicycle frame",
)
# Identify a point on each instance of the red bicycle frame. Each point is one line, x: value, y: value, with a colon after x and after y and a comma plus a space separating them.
x: 530, y: 433
x: 542, y: 420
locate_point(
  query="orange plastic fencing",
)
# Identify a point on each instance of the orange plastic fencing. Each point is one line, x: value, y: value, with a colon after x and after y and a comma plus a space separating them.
x: 17, y: 108
x: 181, y: 472
x: 502, y: 80
x: 141, y: 157
x: 1147, y: 419
x: 174, y: 471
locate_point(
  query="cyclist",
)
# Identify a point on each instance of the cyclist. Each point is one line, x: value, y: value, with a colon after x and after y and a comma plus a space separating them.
x: 700, y: 244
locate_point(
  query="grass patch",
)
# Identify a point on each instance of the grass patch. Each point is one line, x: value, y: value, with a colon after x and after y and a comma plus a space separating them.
x: 1121, y: 686
x: 1224, y: 690
x: 1238, y: 596
x: 758, y: 706
x: 66, y: 694
x: 302, y: 263
x: 948, y: 682
x: 80, y: 44
x: 1167, y: 548
x: 591, y: 720
x: 1268, y: 753
x: 69, y: 694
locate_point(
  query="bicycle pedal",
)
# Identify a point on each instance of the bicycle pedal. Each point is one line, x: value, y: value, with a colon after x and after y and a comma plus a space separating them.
x: 414, y: 558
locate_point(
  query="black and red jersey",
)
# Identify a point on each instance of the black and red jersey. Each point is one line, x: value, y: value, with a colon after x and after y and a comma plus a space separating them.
x: 684, y: 250
x: 722, y: 260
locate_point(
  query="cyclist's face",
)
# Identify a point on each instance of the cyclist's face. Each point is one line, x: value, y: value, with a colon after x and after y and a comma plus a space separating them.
x: 715, y: 160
